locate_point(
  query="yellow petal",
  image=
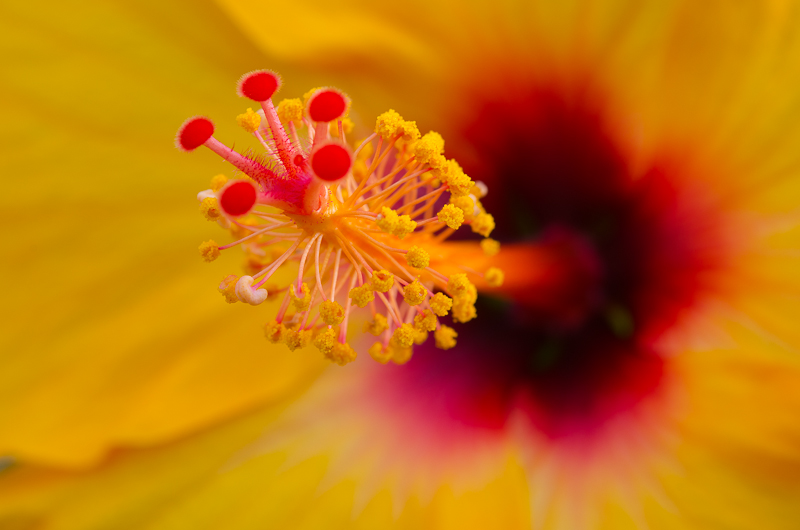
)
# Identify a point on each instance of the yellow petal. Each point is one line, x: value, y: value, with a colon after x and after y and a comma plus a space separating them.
x: 115, y: 334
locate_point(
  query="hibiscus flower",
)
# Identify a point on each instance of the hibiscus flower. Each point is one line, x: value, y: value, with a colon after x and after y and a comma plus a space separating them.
x: 638, y: 369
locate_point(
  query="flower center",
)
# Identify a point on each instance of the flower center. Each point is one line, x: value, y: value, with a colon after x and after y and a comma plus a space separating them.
x: 367, y: 221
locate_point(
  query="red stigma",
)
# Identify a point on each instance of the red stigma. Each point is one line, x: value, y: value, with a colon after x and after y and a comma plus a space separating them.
x: 327, y: 105
x: 259, y: 85
x: 331, y: 162
x: 237, y: 198
x: 193, y: 133
x: 298, y: 160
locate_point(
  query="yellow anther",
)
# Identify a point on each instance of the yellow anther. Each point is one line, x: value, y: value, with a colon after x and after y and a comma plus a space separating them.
x: 483, y: 224
x: 403, y: 336
x: 217, y: 181
x: 414, y: 293
x: 249, y: 121
x: 425, y: 321
x: 347, y: 127
x: 460, y: 184
x: 302, y: 300
x: 379, y: 353
x: 341, y: 354
x: 228, y: 288
x: 362, y: 295
x: 429, y: 145
x: 388, y: 220
x: 458, y: 284
x: 331, y: 312
x: 209, y: 250
x: 382, y: 280
x: 441, y: 304
x: 465, y: 204
x: 420, y: 336
x: 325, y: 340
x: 464, y: 311
x: 377, y: 326
x: 295, y: 339
x: 490, y: 246
x: 409, y: 131
x: 494, y: 277
x: 290, y: 110
x: 400, y: 355
x: 389, y: 124
x: 209, y: 207
x: 439, y: 165
x: 451, y: 215
x: 445, y: 337
x: 417, y: 257
x: 274, y: 331
x: 404, y: 226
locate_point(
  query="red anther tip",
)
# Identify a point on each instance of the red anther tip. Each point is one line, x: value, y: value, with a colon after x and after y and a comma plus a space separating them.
x: 331, y: 161
x: 327, y: 104
x: 193, y: 133
x: 259, y: 85
x: 237, y: 197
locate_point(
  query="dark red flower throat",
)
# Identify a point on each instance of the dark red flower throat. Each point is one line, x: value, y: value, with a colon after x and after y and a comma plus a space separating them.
x: 576, y: 346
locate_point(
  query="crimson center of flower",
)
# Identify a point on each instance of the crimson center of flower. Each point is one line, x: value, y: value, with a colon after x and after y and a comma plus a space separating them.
x: 579, y: 349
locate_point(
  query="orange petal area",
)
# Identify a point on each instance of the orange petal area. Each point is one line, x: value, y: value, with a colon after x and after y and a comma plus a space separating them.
x: 116, y: 334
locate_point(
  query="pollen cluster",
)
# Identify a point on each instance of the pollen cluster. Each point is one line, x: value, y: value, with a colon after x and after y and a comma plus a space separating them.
x: 356, y: 226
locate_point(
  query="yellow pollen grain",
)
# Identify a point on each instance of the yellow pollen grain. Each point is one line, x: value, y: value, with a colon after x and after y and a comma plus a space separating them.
x: 414, y: 293
x: 388, y: 220
x: 217, y: 181
x: 325, y: 341
x: 420, y: 336
x: 249, y: 121
x: 417, y: 257
x: 494, y: 277
x: 301, y: 301
x: 296, y: 339
x: 425, y: 321
x: 445, y: 337
x: 483, y: 224
x: 341, y: 354
x: 404, y: 336
x: 451, y: 215
x: 209, y: 250
x: 331, y: 312
x: 227, y: 287
x: 382, y: 280
x: 428, y: 146
x: 465, y: 204
x: 404, y: 226
x: 362, y: 295
x: 464, y: 311
x: 377, y: 326
x: 389, y: 124
x: 460, y: 184
x: 274, y: 331
x: 209, y: 207
x: 379, y: 353
x: 290, y: 110
x: 409, y: 131
x: 491, y: 247
x: 441, y: 304
x: 400, y: 355
x: 458, y: 283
